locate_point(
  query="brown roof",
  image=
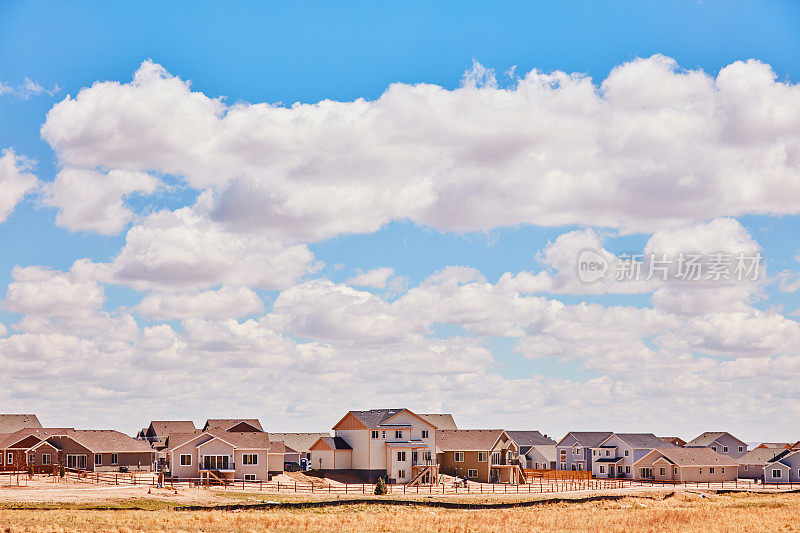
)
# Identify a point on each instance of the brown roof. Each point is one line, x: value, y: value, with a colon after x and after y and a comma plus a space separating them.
x: 107, y: 440
x: 9, y: 423
x: 163, y: 428
x: 9, y: 439
x: 694, y: 457
x: 179, y: 439
x: 467, y: 439
x: 300, y: 442
x: 226, y: 423
x: 439, y: 420
x: 250, y: 440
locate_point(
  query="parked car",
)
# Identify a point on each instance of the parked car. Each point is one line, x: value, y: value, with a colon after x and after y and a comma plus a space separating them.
x: 291, y: 466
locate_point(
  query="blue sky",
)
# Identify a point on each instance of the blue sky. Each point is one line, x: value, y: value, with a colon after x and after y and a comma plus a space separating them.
x: 254, y: 52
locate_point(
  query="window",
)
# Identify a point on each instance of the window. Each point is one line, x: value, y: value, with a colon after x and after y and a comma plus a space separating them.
x: 250, y: 459
x: 626, y: 453
x: 383, y: 434
x: 459, y: 457
x: 627, y: 470
x: 401, y: 474
x: 711, y: 470
x: 374, y: 433
x: 608, y: 453
x: 594, y: 452
x: 576, y: 451
x: 714, y: 448
x: 723, y: 469
x: 398, y: 434
x: 76, y: 461
x: 483, y: 457
x: 216, y: 462
x: 776, y: 473
x: 31, y: 458
x: 98, y: 459
x: 426, y: 455
x: 563, y: 456
x: 45, y: 458
x: 602, y: 469
x: 496, y: 458
x: 662, y: 471
x: 424, y: 433
x: 675, y: 471
x: 619, y: 469
x: 249, y: 477
x: 114, y: 458
x: 745, y: 468
x: 700, y: 471
x: 10, y: 458
x: 401, y: 456
x: 472, y: 473
x: 414, y: 456
x: 724, y: 449
x: 741, y: 449
x: 186, y: 459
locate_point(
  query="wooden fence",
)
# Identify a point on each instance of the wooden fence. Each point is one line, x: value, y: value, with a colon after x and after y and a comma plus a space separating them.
x: 557, y: 474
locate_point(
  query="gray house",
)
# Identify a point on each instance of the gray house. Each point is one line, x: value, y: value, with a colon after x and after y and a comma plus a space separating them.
x: 575, y: 449
x: 615, y: 456
x: 538, y: 457
x: 751, y: 464
x: 784, y: 468
x: 721, y: 442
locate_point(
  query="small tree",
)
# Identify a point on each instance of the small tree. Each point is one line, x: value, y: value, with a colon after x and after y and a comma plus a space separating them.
x: 61, y: 470
x: 380, y: 487
x: 30, y: 471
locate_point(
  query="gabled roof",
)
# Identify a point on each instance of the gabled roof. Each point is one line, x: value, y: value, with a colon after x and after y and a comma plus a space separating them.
x: 673, y: 440
x: 780, y: 445
x: 248, y: 440
x: 162, y: 428
x: 530, y: 438
x: 693, y: 457
x: 588, y: 439
x: 782, y: 455
x: 300, y: 442
x: 9, y: 439
x: 547, y: 450
x: 708, y: 438
x: 439, y: 420
x: 176, y: 440
x: 334, y: 443
x: 108, y: 441
x: 378, y: 418
x: 226, y: 424
x: 9, y: 423
x: 642, y: 441
x: 760, y: 456
x: 468, y: 440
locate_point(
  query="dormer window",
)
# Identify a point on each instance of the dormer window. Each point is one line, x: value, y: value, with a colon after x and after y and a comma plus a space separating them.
x: 398, y: 434
x: 576, y: 451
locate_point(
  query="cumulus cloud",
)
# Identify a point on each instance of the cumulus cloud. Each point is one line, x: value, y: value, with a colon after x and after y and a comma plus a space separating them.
x: 48, y: 293
x: 16, y: 181
x: 377, y: 278
x: 219, y: 304
x: 650, y: 146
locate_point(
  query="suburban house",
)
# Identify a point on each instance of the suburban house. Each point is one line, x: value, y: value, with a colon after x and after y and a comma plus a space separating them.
x: 215, y: 456
x: 575, y: 449
x: 751, y: 464
x: 158, y: 431
x: 9, y: 423
x: 93, y: 450
x: 396, y: 444
x: 482, y: 455
x: 775, y: 445
x: 784, y: 468
x: 538, y: 456
x: 236, y: 425
x: 330, y: 453
x: 719, y: 441
x: 530, y: 438
x: 299, y: 442
x: 675, y: 441
x: 440, y: 420
x: 685, y: 464
x: 616, y: 455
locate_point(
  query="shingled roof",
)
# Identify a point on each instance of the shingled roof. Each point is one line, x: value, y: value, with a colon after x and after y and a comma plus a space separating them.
x: 162, y: 428
x: 589, y: 439
x: 9, y: 439
x: 9, y: 423
x: 227, y: 423
x: 694, y: 457
x: 708, y: 438
x: 643, y: 441
x: 107, y: 441
x: 439, y: 420
x: 459, y: 440
x: 300, y: 442
x: 530, y: 438
x: 760, y: 456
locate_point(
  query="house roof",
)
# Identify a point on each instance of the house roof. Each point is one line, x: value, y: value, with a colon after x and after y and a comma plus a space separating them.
x: 297, y: 441
x: 108, y: 441
x: 671, y: 439
x: 226, y: 423
x: 547, y: 450
x: 163, y: 428
x: 643, y: 441
x: 176, y: 440
x: 9, y: 423
x: 375, y: 417
x: 708, y: 438
x: 335, y: 443
x: 589, y: 439
x: 760, y: 456
x: 439, y: 420
x: 9, y: 439
x: 248, y: 440
x: 530, y: 438
x: 782, y: 445
x: 783, y: 454
x: 481, y: 440
x: 694, y: 457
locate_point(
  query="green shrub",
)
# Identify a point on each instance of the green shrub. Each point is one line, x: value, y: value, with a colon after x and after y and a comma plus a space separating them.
x: 380, y: 487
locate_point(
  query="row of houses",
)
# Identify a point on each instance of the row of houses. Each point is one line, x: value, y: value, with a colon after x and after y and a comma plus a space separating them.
x: 398, y: 445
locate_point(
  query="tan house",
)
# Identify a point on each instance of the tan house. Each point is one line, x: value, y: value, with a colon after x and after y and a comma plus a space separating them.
x: 720, y: 442
x: 9, y: 423
x: 686, y: 464
x: 299, y: 442
x: 481, y: 455
x: 214, y: 456
x: 331, y: 453
x: 236, y: 425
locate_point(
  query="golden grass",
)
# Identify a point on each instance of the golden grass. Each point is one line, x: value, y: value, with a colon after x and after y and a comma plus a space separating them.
x: 684, y: 512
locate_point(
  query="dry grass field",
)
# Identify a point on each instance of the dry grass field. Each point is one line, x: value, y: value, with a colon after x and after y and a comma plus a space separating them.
x: 683, y: 512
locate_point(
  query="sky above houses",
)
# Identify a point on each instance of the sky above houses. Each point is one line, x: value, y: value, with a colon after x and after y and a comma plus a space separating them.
x: 531, y: 215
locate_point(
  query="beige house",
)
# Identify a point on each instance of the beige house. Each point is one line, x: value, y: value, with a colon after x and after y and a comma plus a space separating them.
x: 331, y: 453
x: 686, y: 464
x: 299, y: 442
x: 482, y: 455
x: 214, y: 456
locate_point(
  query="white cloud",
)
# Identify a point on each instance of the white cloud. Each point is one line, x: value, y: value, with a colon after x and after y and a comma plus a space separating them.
x: 16, y: 181
x: 48, y: 293
x: 219, y: 304
x: 92, y: 201
x: 377, y: 278
x: 26, y: 89
x: 652, y: 146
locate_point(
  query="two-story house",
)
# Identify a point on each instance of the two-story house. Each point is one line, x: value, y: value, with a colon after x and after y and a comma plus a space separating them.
x: 216, y: 456
x: 395, y: 444
x: 720, y: 442
x: 616, y: 455
x: 575, y: 449
x: 784, y: 468
x: 480, y: 455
